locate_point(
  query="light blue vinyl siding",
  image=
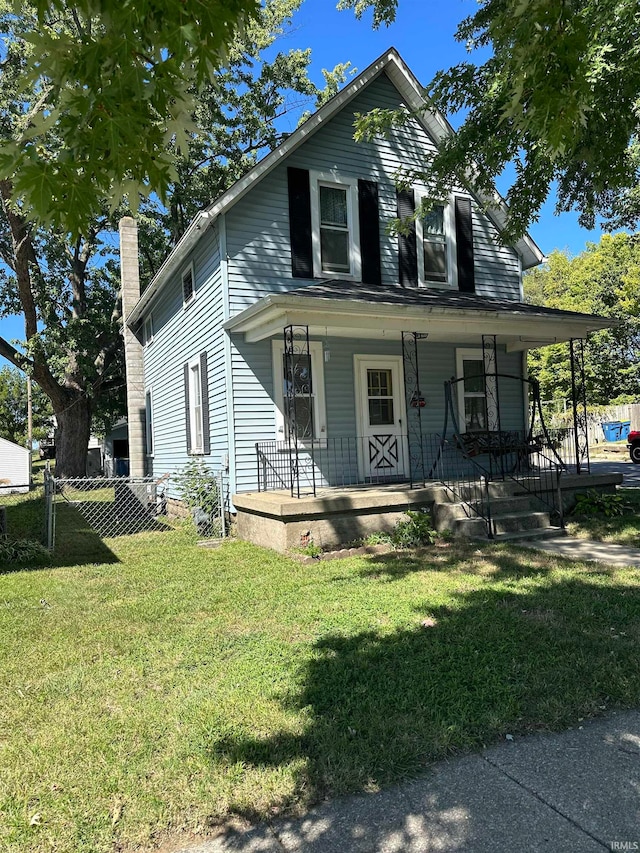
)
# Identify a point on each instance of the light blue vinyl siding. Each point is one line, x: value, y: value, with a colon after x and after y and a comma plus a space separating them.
x: 255, y: 405
x: 258, y: 225
x: 179, y: 335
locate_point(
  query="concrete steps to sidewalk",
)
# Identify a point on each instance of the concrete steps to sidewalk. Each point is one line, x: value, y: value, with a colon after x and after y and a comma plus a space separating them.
x: 514, y: 513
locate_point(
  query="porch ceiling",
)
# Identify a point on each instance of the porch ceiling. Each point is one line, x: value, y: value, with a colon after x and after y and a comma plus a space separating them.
x: 345, y: 309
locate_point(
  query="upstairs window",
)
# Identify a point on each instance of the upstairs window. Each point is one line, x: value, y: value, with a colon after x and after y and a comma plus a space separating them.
x: 335, y: 227
x: 187, y: 285
x: 435, y: 232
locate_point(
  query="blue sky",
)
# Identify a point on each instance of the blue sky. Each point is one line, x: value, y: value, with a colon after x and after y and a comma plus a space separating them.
x: 423, y: 33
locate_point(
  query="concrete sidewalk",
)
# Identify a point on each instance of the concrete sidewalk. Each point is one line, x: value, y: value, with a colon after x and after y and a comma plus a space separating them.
x: 584, y: 550
x: 576, y: 791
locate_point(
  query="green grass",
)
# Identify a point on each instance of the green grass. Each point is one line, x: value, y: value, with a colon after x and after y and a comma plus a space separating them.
x: 623, y: 529
x: 167, y: 687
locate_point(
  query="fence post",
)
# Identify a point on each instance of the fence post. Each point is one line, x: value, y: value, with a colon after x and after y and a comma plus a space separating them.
x: 49, y: 509
x: 223, y: 532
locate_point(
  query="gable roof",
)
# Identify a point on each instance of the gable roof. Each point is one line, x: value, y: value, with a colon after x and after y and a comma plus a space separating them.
x: 434, y: 123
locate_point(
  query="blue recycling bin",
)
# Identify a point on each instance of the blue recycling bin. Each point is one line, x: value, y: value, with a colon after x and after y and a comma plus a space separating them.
x: 612, y: 430
x: 625, y: 428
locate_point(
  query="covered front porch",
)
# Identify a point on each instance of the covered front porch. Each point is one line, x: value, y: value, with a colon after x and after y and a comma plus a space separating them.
x: 412, y: 390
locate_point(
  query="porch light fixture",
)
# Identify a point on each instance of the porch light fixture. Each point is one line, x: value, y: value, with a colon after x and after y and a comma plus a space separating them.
x: 326, y: 352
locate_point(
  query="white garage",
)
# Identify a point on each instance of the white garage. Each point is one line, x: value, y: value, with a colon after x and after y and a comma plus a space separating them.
x: 14, y: 467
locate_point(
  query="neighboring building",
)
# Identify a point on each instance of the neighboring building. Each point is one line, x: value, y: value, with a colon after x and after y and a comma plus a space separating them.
x: 291, y: 339
x: 115, y: 451
x: 15, y: 467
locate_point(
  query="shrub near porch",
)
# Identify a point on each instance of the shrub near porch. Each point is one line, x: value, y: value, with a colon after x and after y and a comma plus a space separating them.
x: 168, y: 687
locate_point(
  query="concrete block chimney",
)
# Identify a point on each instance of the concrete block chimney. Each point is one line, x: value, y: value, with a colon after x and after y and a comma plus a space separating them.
x: 130, y: 284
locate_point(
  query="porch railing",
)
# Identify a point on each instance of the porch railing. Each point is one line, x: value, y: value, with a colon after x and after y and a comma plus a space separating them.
x: 470, y: 475
x: 342, y: 461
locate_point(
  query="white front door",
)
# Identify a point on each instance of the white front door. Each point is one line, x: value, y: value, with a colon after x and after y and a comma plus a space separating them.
x: 380, y: 406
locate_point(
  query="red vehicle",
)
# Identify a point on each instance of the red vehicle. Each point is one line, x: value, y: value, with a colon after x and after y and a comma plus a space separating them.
x: 633, y: 443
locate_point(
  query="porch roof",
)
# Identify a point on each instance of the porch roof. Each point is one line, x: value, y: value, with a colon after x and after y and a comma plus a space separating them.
x: 345, y: 309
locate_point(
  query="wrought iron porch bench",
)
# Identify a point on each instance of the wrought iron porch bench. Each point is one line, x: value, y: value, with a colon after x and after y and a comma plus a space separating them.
x: 498, y: 443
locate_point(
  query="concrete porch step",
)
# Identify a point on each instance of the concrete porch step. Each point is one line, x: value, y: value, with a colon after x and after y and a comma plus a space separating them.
x: 526, y: 535
x: 514, y: 522
x: 444, y: 514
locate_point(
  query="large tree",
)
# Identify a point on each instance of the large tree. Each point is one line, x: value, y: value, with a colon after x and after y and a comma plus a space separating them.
x: 558, y: 96
x: 66, y: 287
x: 605, y: 280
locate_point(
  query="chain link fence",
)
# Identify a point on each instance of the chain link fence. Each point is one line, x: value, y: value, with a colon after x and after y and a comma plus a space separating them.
x: 122, y: 506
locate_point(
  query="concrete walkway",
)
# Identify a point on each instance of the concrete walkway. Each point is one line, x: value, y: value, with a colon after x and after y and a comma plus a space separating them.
x: 576, y: 791
x: 584, y: 550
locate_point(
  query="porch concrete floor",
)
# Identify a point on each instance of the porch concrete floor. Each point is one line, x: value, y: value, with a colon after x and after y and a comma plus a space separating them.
x: 280, y: 504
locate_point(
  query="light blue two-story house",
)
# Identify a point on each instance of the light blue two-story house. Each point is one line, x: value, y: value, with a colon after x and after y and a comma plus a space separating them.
x: 292, y: 339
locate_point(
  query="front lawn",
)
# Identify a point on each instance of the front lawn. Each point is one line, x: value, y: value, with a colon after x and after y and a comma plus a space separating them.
x: 171, y: 686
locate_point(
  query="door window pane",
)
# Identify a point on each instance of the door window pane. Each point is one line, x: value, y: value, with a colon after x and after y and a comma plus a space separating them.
x: 381, y: 412
x: 379, y: 383
x: 303, y: 409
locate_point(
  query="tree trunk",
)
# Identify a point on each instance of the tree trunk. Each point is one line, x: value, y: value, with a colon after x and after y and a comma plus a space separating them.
x: 72, y: 438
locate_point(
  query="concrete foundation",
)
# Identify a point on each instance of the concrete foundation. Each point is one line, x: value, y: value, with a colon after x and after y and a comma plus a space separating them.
x: 338, y: 517
x: 335, y: 517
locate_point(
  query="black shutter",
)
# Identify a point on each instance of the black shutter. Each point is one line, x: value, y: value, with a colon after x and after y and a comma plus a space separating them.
x: 204, y: 385
x: 186, y: 406
x: 464, y: 246
x: 369, y: 215
x: 300, y: 223
x: 408, y: 256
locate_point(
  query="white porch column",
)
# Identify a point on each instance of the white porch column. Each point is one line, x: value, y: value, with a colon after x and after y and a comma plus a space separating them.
x: 130, y: 284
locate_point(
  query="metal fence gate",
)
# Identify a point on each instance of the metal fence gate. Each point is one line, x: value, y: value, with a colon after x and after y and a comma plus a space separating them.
x: 121, y: 506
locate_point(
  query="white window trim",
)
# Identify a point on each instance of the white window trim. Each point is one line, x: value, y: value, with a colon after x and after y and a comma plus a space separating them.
x: 335, y: 179
x: 450, y: 235
x: 188, y: 268
x: 148, y: 324
x: 149, y: 433
x: 317, y: 373
x: 195, y: 449
x: 463, y: 355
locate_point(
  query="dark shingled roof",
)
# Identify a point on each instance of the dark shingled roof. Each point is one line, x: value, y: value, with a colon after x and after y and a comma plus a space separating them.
x: 426, y: 297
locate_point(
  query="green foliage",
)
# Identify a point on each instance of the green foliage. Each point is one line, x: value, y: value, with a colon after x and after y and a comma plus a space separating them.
x: 22, y: 551
x: 416, y: 530
x: 605, y: 280
x: 118, y: 82
x: 13, y: 408
x: 557, y: 96
x: 198, y: 488
x: 411, y: 532
x: 600, y: 503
